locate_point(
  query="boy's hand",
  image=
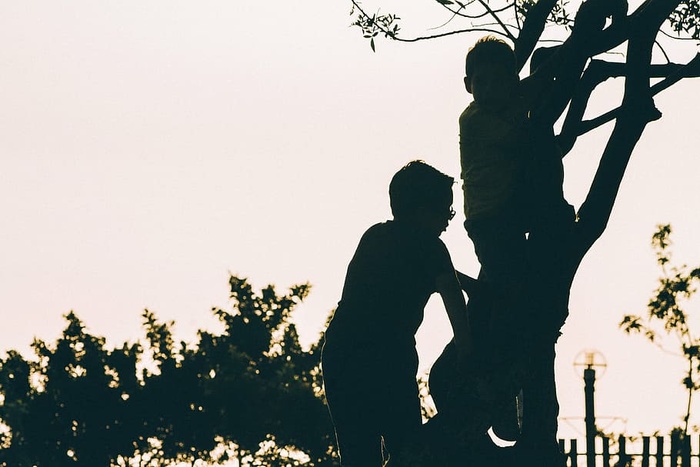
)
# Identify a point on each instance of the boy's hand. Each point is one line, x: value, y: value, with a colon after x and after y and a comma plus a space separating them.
x: 592, y: 14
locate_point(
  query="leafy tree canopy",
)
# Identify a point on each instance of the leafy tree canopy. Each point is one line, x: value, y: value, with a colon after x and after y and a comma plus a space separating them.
x: 250, y: 391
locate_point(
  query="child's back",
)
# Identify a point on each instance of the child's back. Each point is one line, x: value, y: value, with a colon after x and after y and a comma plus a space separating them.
x: 388, y: 282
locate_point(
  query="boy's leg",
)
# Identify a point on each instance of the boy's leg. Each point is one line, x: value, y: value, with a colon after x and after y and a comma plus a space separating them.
x: 353, y: 412
x: 552, y: 280
x: 502, y: 250
x: 541, y: 409
x: 401, y: 415
x: 358, y: 444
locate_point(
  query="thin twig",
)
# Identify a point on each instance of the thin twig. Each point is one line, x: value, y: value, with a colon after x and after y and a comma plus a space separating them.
x: 432, y: 36
x: 677, y: 38
x: 663, y: 51
x: 454, y: 15
x: 498, y: 20
x: 464, y: 15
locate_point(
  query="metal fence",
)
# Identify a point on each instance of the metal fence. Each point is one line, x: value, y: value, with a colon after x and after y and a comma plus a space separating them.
x: 643, y: 451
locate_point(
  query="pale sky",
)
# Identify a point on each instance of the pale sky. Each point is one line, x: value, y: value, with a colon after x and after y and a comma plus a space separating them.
x: 150, y: 148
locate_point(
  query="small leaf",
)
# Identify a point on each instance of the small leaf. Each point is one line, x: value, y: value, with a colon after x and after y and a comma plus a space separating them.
x: 371, y: 44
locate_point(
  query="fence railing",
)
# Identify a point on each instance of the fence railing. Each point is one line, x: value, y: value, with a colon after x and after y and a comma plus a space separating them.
x: 643, y: 451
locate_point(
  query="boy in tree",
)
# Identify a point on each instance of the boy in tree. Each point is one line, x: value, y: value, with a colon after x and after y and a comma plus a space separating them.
x: 369, y: 358
x: 515, y: 209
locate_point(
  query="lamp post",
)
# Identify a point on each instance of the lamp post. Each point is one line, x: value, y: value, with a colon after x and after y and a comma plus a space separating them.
x: 589, y: 360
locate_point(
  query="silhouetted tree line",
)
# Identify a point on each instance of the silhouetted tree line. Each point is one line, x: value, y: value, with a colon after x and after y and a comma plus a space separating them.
x: 250, y: 391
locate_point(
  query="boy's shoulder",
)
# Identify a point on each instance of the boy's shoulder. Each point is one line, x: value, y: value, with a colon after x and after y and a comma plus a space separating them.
x: 387, y: 229
x: 472, y: 111
x: 479, y: 123
x: 375, y: 236
x: 394, y: 234
x: 378, y: 229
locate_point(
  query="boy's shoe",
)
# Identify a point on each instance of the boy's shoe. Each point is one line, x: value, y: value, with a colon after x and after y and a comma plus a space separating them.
x: 505, y: 421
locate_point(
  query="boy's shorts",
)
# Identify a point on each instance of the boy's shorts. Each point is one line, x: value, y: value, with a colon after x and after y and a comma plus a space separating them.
x: 370, y: 398
x: 501, y: 247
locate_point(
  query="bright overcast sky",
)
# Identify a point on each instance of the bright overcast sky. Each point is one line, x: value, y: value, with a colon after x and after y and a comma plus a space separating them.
x: 150, y: 148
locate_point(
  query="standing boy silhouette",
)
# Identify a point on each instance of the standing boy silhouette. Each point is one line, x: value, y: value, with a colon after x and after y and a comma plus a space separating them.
x: 369, y: 358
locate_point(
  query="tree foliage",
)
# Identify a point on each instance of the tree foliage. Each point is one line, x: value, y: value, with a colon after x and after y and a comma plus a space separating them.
x: 666, y: 314
x: 507, y: 18
x: 250, y: 391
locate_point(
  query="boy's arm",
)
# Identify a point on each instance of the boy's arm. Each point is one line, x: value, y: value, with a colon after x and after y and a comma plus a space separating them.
x: 448, y: 286
x: 470, y: 285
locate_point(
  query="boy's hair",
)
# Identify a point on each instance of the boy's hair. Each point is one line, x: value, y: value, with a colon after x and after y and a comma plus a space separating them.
x: 418, y: 184
x: 489, y: 49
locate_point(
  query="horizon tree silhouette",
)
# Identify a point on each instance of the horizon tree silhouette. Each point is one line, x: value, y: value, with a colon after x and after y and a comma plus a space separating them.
x: 249, y: 392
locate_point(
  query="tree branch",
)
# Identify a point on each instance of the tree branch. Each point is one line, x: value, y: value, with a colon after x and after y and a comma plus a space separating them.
x: 651, y: 11
x: 639, y: 110
x: 451, y: 33
x: 458, y: 12
x: 532, y: 30
x: 392, y: 35
x: 592, y: 77
x: 672, y: 73
x: 495, y: 16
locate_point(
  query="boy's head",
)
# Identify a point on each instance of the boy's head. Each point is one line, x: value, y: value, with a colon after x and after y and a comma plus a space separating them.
x: 491, y: 75
x: 422, y: 195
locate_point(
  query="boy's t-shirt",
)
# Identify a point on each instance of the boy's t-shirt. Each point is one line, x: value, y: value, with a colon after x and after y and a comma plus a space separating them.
x: 388, y: 282
x: 494, y: 157
x: 510, y: 166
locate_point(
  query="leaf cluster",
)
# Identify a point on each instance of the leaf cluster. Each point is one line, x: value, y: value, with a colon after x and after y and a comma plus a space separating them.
x: 504, y: 18
x: 376, y: 24
x: 666, y: 313
x: 685, y: 20
x: 560, y: 14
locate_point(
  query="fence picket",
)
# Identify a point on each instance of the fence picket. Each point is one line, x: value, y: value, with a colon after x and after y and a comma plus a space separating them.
x: 606, y: 451
x: 645, y: 451
x: 683, y: 452
x: 659, y: 451
x: 573, y: 452
x: 622, y: 457
x: 675, y: 449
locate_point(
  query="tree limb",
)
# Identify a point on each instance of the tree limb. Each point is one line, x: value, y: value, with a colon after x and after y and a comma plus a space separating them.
x: 639, y: 110
x: 532, y: 30
x: 392, y: 35
x: 672, y: 72
x: 458, y: 12
x: 592, y: 77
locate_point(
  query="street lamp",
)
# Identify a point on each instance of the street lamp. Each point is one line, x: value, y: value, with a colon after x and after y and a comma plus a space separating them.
x: 589, y: 360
